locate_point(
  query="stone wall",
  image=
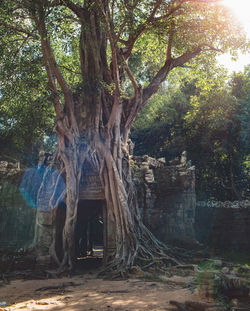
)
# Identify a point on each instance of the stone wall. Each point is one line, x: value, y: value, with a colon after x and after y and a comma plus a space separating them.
x: 17, y: 219
x: 167, y: 199
x: 224, y: 225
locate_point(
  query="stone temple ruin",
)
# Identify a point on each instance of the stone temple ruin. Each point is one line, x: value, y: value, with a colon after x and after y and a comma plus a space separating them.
x: 34, y: 215
x: 166, y: 197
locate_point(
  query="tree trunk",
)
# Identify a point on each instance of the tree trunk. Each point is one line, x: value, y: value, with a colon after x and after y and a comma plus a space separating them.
x: 72, y: 197
x: 93, y: 129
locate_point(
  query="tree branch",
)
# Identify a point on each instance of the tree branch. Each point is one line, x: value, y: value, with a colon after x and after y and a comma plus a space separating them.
x: 135, y: 105
x: 151, y: 19
x: 170, y: 40
x: 171, y: 12
x: 140, y: 30
x: 54, y: 72
x: 56, y: 99
x: 181, y: 60
x: 154, y: 85
x: 114, y: 48
x: 72, y: 6
x: 75, y: 8
x: 126, y: 20
x: 129, y: 73
x: 54, y: 67
x: 171, y: 63
x: 17, y: 29
x: 21, y: 46
x: 70, y: 70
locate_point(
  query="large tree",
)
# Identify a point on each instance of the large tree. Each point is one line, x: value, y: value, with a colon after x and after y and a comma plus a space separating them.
x: 94, y: 112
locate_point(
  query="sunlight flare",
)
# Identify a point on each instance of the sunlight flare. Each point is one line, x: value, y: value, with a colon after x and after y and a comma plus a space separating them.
x: 240, y: 9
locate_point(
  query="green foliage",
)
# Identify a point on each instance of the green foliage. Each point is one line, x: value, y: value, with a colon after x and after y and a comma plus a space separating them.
x: 156, y: 129
x: 26, y: 102
x: 26, y: 112
x: 207, y: 114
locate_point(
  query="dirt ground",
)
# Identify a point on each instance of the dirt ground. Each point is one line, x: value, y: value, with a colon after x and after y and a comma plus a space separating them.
x: 88, y: 292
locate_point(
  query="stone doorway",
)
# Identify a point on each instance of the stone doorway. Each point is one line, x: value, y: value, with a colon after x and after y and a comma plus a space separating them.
x: 89, y: 231
x: 95, y: 225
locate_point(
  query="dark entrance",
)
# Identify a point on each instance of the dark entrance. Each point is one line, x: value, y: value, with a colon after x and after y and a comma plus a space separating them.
x: 59, y: 225
x: 89, y: 228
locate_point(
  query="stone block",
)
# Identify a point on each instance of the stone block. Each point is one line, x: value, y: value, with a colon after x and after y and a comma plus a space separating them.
x: 3, y: 165
x: 162, y: 160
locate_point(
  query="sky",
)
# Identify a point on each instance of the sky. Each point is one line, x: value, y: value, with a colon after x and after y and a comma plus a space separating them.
x: 232, y: 65
x: 241, y: 10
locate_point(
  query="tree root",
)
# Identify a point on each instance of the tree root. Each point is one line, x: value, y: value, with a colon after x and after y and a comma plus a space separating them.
x: 157, y: 257
x: 193, y: 305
